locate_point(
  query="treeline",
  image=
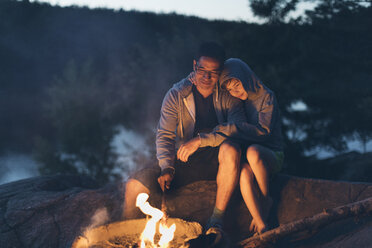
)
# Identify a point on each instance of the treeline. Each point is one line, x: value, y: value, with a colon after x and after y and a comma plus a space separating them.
x: 70, y: 76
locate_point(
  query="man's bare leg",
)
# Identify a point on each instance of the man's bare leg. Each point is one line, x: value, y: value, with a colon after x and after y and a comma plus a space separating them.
x: 132, y: 189
x: 228, y: 173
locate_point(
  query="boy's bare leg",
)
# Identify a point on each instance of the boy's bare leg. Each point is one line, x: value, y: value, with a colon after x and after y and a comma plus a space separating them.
x: 248, y: 190
x: 260, y: 160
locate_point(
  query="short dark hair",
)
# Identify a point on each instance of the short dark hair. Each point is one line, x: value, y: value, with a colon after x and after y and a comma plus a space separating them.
x: 213, y: 50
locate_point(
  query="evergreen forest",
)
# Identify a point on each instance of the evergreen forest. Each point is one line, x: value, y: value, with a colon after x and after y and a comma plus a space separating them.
x: 70, y: 76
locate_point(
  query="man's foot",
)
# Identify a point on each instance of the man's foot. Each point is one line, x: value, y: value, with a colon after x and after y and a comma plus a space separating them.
x: 213, y: 237
x: 216, y: 234
x: 216, y: 223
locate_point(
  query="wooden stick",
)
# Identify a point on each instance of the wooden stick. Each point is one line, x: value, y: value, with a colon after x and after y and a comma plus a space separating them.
x: 315, y: 222
x: 164, y: 208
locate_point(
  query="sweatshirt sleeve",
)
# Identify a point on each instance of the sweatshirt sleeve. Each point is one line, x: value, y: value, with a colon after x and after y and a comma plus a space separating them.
x: 235, y: 114
x: 166, y: 131
x: 241, y: 130
x: 267, y: 117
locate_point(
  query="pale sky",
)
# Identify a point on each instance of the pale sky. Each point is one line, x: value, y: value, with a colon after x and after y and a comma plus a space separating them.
x: 234, y: 10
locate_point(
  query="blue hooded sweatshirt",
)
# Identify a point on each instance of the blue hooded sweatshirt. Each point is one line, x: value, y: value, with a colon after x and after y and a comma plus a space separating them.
x: 263, y: 124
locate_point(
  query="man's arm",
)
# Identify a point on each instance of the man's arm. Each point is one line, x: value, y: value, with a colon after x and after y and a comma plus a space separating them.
x: 188, y: 149
x: 166, y: 137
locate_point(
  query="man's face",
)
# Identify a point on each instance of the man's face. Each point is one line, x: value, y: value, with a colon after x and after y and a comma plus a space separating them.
x: 207, y: 72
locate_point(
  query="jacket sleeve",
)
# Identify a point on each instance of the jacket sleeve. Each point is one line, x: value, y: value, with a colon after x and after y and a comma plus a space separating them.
x: 166, y: 131
x: 267, y: 117
x: 241, y: 130
x: 235, y: 115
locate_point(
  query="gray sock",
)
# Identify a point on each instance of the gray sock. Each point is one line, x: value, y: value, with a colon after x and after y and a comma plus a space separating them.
x: 216, y: 220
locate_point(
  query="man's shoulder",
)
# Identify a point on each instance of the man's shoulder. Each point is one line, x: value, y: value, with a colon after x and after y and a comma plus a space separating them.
x: 183, y: 87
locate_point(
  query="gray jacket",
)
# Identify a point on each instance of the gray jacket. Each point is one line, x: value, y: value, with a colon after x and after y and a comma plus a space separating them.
x: 177, y: 121
x: 263, y: 124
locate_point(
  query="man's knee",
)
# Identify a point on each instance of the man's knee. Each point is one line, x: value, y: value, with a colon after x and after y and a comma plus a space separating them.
x: 229, y: 151
x: 134, y: 186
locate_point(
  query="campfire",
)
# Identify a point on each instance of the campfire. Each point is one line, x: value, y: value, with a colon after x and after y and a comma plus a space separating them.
x: 155, y: 231
x: 147, y: 236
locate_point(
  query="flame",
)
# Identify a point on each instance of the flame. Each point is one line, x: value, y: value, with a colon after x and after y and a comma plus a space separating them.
x: 147, y: 236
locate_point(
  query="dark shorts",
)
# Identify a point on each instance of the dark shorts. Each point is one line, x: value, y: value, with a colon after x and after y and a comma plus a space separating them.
x: 202, y: 165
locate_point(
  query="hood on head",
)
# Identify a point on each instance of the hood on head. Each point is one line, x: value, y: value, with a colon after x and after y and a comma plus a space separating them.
x: 236, y: 68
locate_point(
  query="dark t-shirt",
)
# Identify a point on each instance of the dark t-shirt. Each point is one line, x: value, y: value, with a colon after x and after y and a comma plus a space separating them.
x: 206, y: 118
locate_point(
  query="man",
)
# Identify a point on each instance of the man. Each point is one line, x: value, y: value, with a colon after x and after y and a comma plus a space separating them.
x: 189, y: 114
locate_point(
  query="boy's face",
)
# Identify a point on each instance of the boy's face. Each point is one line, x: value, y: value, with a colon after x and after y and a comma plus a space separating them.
x: 236, y: 89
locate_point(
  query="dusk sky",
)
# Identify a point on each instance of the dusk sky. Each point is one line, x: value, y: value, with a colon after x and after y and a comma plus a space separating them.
x: 237, y: 10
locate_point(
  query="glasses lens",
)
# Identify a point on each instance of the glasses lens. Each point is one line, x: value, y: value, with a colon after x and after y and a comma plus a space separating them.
x: 202, y: 71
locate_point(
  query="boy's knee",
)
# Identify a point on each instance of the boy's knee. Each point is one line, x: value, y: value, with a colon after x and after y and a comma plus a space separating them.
x: 254, y: 154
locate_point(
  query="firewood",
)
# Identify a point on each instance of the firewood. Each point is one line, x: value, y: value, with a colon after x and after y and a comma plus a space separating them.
x: 314, y: 223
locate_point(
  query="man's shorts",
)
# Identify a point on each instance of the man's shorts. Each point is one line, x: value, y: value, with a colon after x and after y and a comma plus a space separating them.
x: 202, y: 165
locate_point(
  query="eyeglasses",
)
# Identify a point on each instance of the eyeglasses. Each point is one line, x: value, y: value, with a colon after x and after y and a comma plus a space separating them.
x: 201, y: 71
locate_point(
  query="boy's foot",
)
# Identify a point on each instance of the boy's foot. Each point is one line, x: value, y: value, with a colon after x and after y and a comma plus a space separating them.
x: 254, y: 226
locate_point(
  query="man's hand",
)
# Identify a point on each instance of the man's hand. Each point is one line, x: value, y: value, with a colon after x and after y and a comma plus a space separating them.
x: 188, y: 149
x: 165, y: 181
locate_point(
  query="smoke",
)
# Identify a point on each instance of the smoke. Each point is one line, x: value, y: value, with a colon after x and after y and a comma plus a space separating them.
x: 15, y: 166
x: 100, y: 217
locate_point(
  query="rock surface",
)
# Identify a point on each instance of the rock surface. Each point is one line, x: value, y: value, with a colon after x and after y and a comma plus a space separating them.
x: 52, y: 211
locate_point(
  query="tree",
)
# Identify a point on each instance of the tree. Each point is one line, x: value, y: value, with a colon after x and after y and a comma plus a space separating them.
x: 278, y: 10
x: 83, y: 127
x: 273, y: 10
